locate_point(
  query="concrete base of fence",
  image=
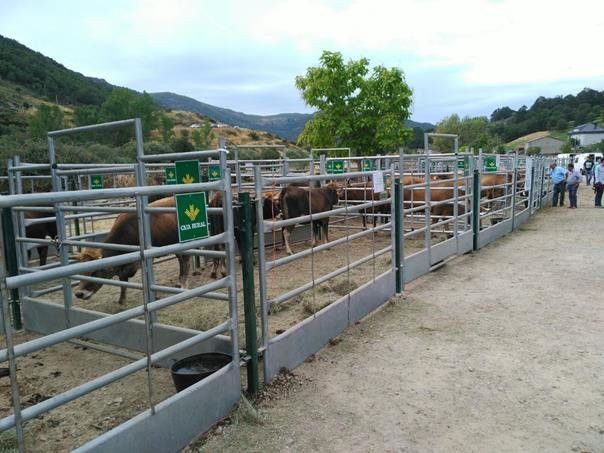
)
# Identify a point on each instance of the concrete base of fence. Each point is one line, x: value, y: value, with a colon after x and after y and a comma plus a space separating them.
x: 493, y: 232
x: 45, y: 317
x: 292, y: 347
x: 177, y: 420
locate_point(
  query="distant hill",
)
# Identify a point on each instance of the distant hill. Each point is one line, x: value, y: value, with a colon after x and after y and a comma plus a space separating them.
x: 560, y: 113
x: 285, y: 125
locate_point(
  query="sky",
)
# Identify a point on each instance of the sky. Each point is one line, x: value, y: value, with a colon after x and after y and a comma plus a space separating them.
x: 465, y: 57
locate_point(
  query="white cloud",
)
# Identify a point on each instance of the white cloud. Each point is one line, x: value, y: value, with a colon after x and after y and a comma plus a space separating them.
x: 495, y: 42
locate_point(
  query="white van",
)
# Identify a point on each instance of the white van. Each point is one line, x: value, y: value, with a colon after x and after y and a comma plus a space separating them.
x: 579, y: 160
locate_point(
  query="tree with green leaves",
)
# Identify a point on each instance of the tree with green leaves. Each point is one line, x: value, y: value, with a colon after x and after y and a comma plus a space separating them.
x: 203, y: 136
x: 123, y: 104
x: 472, y: 132
x: 166, y: 128
x: 357, y: 108
x: 47, y: 118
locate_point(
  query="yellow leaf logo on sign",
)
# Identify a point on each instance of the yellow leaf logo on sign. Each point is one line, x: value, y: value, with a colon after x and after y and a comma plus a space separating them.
x: 338, y: 166
x: 192, y: 212
x: 188, y: 179
x: 171, y: 174
x: 97, y: 181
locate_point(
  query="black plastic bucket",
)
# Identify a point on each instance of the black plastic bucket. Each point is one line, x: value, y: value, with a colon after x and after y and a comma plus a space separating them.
x: 192, y: 369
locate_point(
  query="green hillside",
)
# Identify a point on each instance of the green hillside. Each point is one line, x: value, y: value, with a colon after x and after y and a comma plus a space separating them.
x: 46, y: 78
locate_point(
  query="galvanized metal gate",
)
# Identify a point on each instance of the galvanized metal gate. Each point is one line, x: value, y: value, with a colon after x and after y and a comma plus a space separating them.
x: 172, y: 423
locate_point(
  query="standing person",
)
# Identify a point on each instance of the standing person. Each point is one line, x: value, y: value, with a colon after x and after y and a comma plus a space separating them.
x: 558, y: 176
x: 573, y: 178
x: 588, y: 169
x: 599, y: 183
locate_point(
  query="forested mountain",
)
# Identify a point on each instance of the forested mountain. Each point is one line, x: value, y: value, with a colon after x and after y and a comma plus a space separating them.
x: 286, y: 125
x: 48, y: 79
x: 560, y: 113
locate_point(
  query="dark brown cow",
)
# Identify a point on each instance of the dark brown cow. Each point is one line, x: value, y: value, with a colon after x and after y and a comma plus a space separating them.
x: 164, y: 231
x: 270, y: 210
x: 364, y: 192
x: 298, y: 202
x: 40, y: 231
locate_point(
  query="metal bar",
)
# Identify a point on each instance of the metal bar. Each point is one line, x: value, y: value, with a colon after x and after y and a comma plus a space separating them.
x: 398, y: 228
x: 88, y: 387
x: 9, y: 201
x: 10, y: 255
x: 271, y: 226
x: 229, y: 228
x: 249, y: 306
x: 262, y: 269
x: 475, y: 209
x: 293, y: 293
x: 98, y: 324
x: 176, y: 156
x: 287, y: 259
x: 93, y: 127
x: 125, y: 258
x: 10, y: 352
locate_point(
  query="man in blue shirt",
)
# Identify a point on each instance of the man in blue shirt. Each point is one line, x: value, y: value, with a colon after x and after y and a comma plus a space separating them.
x: 558, y: 176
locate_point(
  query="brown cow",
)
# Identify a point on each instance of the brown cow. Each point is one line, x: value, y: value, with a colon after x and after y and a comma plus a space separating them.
x: 40, y: 231
x: 298, y: 201
x: 363, y: 192
x: 270, y: 209
x: 164, y: 231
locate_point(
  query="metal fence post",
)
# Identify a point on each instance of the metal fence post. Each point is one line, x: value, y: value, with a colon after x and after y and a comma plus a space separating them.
x: 532, y: 188
x: 428, y: 211
x: 475, y: 209
x: 262, y: 280
x: 61, y: 230
x: 10, y: 256
x: 249, y: 302
x: 514, y: 189
x: 398, y: 229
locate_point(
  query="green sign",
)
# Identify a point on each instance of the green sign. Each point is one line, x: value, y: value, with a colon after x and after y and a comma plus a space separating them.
x: 171, y: 175
x: 187, y: 172
x: 367, y: 165
x: 96, y: 181
x: 192, y: 216
x: 490, y: 164
x: 335, y: 167
x: 213, y: 172
x: 461, y: 164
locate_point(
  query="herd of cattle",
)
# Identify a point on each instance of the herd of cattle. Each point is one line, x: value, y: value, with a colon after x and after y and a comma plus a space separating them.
x: 292, y: 201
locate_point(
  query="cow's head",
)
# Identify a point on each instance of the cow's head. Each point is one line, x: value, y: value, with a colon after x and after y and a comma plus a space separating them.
x: 86, y: 289
x: 332, y: 192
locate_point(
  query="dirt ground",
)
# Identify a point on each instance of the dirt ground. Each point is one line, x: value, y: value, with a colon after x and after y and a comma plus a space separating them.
x: 53, y: 370
x: 203, y: 314
x: 497, y: 351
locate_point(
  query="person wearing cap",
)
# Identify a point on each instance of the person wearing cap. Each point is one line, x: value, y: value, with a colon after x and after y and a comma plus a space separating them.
x: 599, y: 182
x: 558, y: 176
x: 573, y: 178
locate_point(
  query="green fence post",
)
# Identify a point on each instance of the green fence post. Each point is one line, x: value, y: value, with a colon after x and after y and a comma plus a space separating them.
x: 10, y: 256
x: 249, y: 305
x: 398, y: 232
x: 475, y: 209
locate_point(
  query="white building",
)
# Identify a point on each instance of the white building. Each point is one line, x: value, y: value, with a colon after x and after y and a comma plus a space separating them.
x: 587, y: 134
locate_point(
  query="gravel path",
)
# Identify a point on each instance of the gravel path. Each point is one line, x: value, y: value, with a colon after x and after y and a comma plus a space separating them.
x: 509, y: 360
